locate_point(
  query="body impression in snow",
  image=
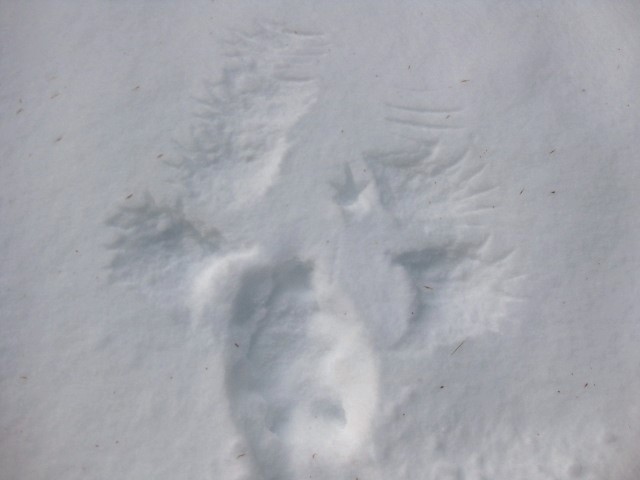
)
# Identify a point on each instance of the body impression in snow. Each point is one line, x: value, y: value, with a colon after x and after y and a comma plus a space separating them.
x: 302, y: 266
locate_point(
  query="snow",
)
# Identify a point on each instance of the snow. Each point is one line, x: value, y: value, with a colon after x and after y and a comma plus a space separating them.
x: 341, y: 240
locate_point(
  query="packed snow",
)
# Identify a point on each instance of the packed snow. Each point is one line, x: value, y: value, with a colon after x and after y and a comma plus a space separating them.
x: 329, y: 240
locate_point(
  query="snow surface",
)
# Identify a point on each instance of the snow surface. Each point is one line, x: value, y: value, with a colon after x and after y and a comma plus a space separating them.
x: 333, y: 240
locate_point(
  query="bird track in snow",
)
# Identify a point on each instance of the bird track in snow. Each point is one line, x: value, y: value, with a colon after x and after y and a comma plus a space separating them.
x: 292, y: 316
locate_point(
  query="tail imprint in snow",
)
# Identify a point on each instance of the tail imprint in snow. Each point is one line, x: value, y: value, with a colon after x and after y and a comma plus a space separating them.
x: 301, y: 376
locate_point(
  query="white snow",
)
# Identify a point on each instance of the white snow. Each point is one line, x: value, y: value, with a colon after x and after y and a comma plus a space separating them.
x: 332, y: 240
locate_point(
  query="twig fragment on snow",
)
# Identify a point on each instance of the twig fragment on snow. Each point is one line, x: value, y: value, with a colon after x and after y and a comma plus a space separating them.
x: 458, y: 347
